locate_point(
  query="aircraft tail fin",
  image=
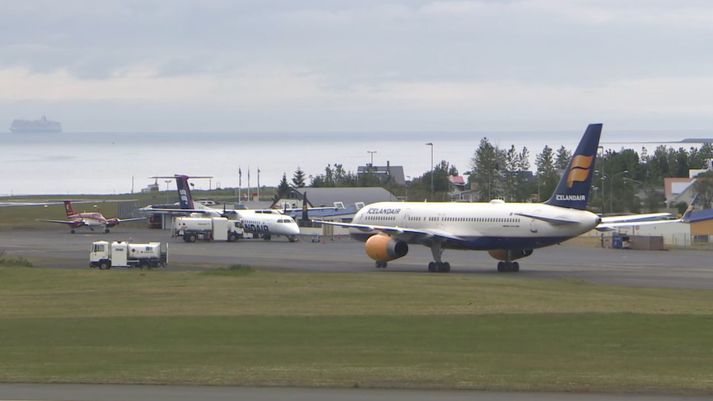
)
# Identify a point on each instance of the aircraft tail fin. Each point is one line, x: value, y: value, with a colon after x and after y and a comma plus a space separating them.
x: 68, y: 208
x: 573, y: 189
x: 184, y: 192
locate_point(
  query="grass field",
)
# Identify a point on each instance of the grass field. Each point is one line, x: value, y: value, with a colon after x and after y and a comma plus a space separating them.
x: 247, y: 327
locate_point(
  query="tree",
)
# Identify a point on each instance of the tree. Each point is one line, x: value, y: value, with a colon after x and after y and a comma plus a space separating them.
x: 562, y: 158
x: 524, y: 186
x: 486, y: 164
x: 547, y: 177
x: 703, y: 187
x: 298, y: 178
x: 512, y: 169
x: 283, y: 188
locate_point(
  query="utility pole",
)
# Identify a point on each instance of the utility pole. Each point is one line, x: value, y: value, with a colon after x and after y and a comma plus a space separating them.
x: 258, y: 184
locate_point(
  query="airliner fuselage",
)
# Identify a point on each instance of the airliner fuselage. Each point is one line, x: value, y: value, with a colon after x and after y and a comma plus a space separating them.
x: 479, y: 226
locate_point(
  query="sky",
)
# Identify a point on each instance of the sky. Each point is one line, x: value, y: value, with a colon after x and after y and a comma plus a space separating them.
x: 350, y: 66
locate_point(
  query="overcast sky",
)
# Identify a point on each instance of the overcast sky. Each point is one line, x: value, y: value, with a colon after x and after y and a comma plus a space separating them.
x: 364, y: 65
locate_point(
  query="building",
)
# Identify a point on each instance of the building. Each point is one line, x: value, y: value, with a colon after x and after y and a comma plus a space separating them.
x: 385, y: 174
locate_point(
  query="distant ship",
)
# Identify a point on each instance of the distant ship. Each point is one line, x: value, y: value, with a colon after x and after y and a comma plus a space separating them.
x: 43, y: 125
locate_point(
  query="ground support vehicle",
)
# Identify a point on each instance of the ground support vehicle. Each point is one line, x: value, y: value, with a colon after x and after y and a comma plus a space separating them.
x: 105, y: 254
x: 208, y: 229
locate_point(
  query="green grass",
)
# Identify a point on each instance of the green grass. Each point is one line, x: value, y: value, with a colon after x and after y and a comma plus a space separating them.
x: 243, y: 326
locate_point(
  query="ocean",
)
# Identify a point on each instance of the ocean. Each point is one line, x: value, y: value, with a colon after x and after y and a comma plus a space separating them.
x: 105, y: 162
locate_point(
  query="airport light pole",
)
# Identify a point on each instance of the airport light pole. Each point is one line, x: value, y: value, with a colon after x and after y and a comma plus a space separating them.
x: 611, y: 189
x: 431, y: 145
x: 371, y: 153
x: 167, y: 182
x: 240, y: 184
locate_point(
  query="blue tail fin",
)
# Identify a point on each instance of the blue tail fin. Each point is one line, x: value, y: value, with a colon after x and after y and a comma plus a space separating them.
x: 573, y: 188
x: 184, y: 192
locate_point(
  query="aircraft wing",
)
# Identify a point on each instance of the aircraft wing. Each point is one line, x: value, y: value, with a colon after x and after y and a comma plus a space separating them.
x: 397, y: 231
x: 68, y: 222
x: 131, y: 219
x: 614, y: 226
x: 637, y: 217
x: 549, y: 219
x: 180, y: 212
x: 636, y: 220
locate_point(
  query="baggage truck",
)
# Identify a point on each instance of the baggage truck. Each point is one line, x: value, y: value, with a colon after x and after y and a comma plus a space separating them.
x: 105, y: 254
x: 207, y: 228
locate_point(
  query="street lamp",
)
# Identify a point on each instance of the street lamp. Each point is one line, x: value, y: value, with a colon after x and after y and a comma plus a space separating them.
x: 431, y: 145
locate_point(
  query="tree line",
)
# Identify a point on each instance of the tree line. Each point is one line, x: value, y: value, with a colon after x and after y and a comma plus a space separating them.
x: 624, y: 180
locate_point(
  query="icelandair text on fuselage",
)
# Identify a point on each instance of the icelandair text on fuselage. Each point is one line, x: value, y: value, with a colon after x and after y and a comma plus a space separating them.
x: 570, y: 197
x: 383, y: 211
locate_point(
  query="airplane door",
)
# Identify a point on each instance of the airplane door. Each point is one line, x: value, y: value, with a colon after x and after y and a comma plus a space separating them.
x: 402, y: 219
x: 533, y: 226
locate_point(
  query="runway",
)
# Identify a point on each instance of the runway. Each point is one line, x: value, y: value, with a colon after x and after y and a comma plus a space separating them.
x: 667, y: 269
x: 110, y: 392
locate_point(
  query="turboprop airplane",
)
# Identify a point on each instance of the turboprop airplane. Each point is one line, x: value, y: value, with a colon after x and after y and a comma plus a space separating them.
x: 261, y: 223
x: 88, y: 219
x: 508, y: 231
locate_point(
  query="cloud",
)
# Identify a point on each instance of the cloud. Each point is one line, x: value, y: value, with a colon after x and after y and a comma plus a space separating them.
x: 442, y: 59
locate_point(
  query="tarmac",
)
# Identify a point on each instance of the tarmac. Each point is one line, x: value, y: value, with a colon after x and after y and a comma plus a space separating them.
x: 691, y: 269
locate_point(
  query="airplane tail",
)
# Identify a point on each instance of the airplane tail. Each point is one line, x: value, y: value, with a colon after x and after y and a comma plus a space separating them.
x: 184, y: 192
x: 68, y: 208
x: 573, y: 189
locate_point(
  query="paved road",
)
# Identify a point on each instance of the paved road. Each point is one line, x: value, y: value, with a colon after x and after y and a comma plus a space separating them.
x: 674, y: 269
x: 108, y: 392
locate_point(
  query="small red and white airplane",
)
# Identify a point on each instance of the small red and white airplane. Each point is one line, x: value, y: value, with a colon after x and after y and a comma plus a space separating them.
x: 88, y: 219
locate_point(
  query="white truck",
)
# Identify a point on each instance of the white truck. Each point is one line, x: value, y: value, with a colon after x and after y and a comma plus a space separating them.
x: 105, y: 254
x: 207, y: 228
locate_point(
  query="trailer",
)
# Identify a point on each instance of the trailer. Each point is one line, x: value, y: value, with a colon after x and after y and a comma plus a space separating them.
x: 105, y: 254
x: 207, y: 229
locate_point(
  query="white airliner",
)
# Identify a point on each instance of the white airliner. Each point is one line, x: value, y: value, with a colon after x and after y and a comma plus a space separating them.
x: 261, y: 223
x: 508, y: 231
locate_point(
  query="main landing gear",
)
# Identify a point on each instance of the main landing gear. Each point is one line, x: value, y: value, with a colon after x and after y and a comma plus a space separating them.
x: 381, y: 264
x: 508, y: 266
x: 438, y: 266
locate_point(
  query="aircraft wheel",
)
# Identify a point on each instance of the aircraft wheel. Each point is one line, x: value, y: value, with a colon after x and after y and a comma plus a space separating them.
x: 106, y: 231
x: 72, y: 231
x: 266, y: 237
x: 432, y: 267
x: 292, y: 238
x: 381, y: 264
x: 501, y: 267
x: 444, y: 267
x: 515, y: 266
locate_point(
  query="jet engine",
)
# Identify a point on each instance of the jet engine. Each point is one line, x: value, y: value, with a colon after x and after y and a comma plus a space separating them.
x: 383, y: 248
x: 510, y: 254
